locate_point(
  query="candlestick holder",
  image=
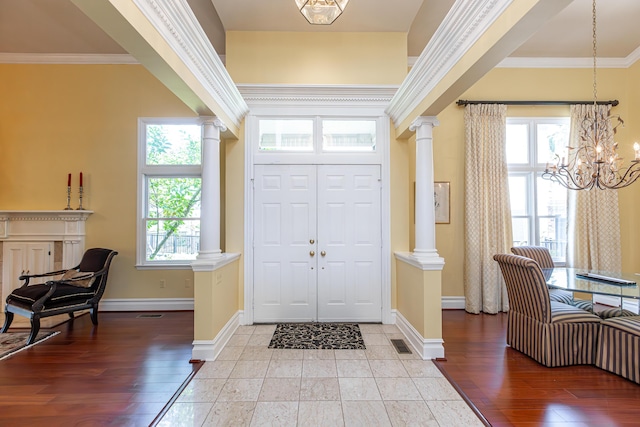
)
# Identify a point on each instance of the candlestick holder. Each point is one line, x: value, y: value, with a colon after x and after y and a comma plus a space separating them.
x: 80, y: 208
x: 68, y: 208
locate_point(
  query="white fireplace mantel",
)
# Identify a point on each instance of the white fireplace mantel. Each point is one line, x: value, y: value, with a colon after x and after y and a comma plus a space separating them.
x: 47, y: 226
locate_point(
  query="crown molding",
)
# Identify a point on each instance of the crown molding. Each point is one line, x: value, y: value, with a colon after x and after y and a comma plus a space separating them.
x: 178, y: 26
x: 465, y: 23
x: 67, y: 58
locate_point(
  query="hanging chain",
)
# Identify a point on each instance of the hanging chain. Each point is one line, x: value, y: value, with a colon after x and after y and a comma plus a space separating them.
x: 595, y: 89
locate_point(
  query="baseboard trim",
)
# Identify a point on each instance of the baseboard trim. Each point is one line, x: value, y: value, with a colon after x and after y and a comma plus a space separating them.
x: 147, y: 304
x: 208, y: 350
x: 453, y: 303
x: 428, y: 349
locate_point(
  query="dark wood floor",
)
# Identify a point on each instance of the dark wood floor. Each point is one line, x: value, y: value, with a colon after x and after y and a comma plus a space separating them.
x: 511, y: 389
x: 120, y: 373
x: 125, y: 371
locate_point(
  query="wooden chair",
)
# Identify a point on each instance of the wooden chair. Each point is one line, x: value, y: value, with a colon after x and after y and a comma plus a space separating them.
x: 550, y: 332
x: 79, y: 288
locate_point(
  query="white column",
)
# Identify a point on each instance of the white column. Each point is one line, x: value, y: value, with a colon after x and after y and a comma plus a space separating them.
x: 425, y: 230
x: 210, y: 193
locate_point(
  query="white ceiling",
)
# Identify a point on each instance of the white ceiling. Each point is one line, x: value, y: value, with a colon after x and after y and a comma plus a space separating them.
x: 57, y: 26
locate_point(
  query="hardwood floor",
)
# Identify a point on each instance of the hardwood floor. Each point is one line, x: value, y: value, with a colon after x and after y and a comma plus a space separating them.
x: 510, y: 389
x: 122, y: 373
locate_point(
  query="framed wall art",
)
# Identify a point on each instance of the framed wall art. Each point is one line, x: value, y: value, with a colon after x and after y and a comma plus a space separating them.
x: 441, y: 201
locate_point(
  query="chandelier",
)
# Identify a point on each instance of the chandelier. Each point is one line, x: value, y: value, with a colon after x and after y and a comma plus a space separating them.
x: 595, y: 162
x: 321, y: 12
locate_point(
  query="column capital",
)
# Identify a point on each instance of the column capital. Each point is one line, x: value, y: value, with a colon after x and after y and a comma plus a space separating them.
x: 424, y: 120
x: 214, y: 121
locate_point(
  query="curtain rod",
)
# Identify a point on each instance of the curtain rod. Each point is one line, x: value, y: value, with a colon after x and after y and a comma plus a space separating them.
x: 466, y: 102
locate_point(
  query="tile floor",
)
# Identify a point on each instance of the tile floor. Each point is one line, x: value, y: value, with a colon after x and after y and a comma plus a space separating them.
x: 252, y: 385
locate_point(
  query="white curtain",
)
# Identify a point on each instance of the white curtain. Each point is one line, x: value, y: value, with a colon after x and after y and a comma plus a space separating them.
x: 593, y: 218
x: 487, y: 209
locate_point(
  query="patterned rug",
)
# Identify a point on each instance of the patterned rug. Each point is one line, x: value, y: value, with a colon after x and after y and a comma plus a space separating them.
x: 13, y: 342
x: 318, y: 336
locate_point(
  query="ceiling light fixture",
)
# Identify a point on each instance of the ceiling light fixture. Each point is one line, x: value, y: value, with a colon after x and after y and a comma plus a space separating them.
x: 595, y: 162
x: 321, y: 12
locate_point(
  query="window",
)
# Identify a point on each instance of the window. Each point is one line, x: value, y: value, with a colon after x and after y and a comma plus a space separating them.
x: 169, y: 180
x: 538, y: 206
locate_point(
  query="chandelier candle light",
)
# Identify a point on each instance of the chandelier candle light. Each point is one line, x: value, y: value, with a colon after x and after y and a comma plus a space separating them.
x: 80, y: 208
x: 68, y: 208
x: 595, y: 163
x: 321, y: 12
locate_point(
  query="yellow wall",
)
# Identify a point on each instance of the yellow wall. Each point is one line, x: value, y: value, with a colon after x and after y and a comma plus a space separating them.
x: 59, y: 119
x: 316, y: 58
x: 216, y: 299
x: 530, y: 84
x: 418, y: 299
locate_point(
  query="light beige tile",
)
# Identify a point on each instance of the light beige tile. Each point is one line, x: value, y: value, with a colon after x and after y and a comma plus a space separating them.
x: 353, y: 368
x: 287, y: 354
x: 256, y: 353
x: 375, y: 339
x: 185, y: 414
x: 320, y: 414
x: 391, y: 330
x: 350, y: 354
x: 371, y: 328
x: 264, y: 329
x: 414, y: 413
x: 261, y: 340
x: 245, y: 330
x: 319, y: 354
x: 285, y: 369
x: 319, y: 368
x: 454, y: 413
x: 230, y: 353
x: 319, y: 389
x: 365, y: 413
x: 238, y: 340
x: 280, y: 389
x: 216, y: 369
x: 436, y: 389
x: 410, y: 356
x: 379, y: 352
x: 422, y: 369
x: 202, y: 390
x: 240, y: 390
x: 250, y: 369
x: 230, y: 414
x: 397, y: 389
x: 388, y: 369
x: 358, y: 389
x: 275, y: 414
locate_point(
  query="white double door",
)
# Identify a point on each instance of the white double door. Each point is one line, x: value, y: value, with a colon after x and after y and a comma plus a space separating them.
x: 317, y: 243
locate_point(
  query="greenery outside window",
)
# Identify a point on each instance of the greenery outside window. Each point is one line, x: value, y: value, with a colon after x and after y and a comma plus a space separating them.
x: 538, y: 206
x: 169, y: 180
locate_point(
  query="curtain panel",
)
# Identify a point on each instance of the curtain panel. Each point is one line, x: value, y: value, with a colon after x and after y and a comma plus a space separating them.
x: 594, y: 216
x: 487, y: 209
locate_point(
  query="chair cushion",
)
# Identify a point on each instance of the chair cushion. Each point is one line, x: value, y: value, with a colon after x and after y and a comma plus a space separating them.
x: 565, y: 313
x: 561, y: 296
x: 583, y: 304
x: 64, y: 295
x: 630, y: 324
x: 607, y: 313
x: 84, y: 279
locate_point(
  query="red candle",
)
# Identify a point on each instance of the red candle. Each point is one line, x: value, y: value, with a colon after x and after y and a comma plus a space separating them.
x: 80, y: 179
x: 69, y: 180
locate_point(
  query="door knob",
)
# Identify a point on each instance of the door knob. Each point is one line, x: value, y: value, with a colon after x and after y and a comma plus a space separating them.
x: 323, y: 253
x: 312, y: 241
x: 312, y: 253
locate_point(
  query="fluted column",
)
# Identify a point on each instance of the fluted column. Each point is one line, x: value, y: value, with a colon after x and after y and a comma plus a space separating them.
x: 210, y: 193
x: 425, y: 229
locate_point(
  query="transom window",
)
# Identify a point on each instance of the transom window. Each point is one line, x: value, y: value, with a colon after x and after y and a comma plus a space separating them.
x: 169, y: 180
x: 538, y: 206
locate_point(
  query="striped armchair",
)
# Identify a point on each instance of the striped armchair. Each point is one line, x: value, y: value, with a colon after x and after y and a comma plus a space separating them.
x: 542, y: 256
x: 550, y: 332
x: 618, y: 347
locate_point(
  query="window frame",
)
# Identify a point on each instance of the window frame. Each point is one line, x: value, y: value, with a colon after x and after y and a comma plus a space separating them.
x: 144, y: 172
x: 532, y: 171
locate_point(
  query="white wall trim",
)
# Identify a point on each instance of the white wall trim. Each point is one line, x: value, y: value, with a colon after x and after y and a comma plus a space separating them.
x: 525, y: 62
x: 67, y: 58
x: 427, y: 348
x: 146, y: 304
x: 463, y: 25
x: 424, y: 264
x: 215, y: 263
x: 210, y: 349
x: 453, y: 303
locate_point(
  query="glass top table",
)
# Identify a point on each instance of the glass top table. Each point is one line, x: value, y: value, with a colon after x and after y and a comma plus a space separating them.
x: 624, y: 285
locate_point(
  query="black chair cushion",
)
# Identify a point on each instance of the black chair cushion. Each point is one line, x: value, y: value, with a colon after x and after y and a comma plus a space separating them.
x: 63, y: 296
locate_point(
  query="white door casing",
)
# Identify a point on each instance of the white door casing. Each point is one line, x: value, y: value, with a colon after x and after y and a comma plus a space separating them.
x: 317, y: 243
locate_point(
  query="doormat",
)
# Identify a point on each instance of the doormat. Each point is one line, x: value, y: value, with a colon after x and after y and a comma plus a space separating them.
x: 13, y: 342
x: 318, y: 336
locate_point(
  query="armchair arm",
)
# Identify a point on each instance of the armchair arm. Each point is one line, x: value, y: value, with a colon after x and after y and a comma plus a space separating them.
x: 27, y: 277
x: 39, y: 304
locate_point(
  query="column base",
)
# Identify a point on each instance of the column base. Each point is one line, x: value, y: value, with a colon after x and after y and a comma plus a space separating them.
x: 211, y: 264
x: 423, y: 260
